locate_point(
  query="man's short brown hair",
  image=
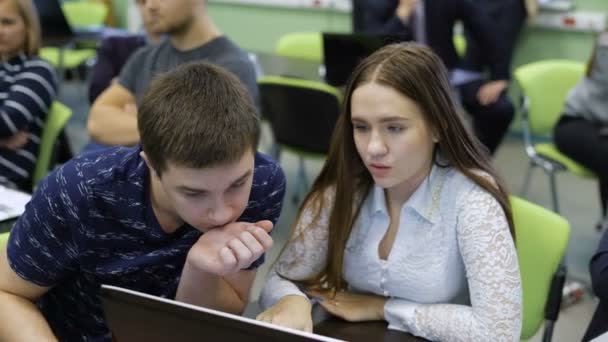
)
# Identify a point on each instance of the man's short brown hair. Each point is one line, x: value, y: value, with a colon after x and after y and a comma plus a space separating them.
x: 197, y: 115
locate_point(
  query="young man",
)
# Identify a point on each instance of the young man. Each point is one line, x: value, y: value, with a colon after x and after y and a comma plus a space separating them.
x: 186, y: 215
x: 114, y: 51
x: 191, y: 35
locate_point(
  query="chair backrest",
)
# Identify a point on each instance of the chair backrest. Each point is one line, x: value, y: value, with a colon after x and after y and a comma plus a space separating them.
x: 85, y: 13
x: 302, y: 113
x: 3, y: 239
x: 460, y: 44
x: 56, y: 120
x: 542, y: 238
x: 546, y: 85
x: 303, y: 45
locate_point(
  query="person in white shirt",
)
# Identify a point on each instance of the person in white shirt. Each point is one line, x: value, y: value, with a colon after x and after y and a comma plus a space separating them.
x: 407, y: 222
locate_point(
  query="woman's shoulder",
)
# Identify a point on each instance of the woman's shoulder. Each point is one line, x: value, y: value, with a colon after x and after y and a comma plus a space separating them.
x: 38, y: 65
x: 462, y: 186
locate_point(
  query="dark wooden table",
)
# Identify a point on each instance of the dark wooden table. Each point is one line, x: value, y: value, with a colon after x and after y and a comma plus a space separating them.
x: 362, y: 331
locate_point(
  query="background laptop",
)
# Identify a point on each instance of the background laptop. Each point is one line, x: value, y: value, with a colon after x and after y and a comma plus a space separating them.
x: 344, y: 51
x: 134, y: 316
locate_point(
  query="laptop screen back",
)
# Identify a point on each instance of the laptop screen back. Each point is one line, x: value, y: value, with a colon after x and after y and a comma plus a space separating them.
x: 133, y: 316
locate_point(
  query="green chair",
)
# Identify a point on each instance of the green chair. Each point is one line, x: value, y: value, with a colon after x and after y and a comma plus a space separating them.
x: 544, y: 86
x: 303, y: 45
x: 542, y: 237
x: 56, y: 121
x: 302, y: 115
x: 85, y: 13
x: 460, y: 43
x: 3, y: 239
x: 79, y: 14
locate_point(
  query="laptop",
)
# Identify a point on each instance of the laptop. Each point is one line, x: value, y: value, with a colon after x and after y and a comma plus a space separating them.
x: 135, y: 316
x: 344, y: 51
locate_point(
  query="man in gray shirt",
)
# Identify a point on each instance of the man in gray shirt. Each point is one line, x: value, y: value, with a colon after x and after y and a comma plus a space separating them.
x: 190, y: 35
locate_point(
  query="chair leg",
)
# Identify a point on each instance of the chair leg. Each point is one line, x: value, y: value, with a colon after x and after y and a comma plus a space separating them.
x: 553, y: 186
x: 548, y: 333
x: 302, y: 184
x: 554, y: 300
x: 524, y: 188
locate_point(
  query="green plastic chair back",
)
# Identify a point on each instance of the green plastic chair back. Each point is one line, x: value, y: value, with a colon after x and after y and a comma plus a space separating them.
x: 546, y: 84
x: 3, y: 239
x: 303, y: 45
x: 56, y: 120
x: 301, y: 83
x: 71, y: 58
x: 550, y: 151
x: 542, y: 237
x: 85, y: 13
x: 460, y: 43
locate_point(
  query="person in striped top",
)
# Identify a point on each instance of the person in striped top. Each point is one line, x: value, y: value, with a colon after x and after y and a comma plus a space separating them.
x: 27, y: 88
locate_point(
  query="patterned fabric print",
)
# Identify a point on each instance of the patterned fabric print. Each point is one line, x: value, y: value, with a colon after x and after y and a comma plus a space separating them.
x: 91, y: 223
x: 27, y: 88
x: 452, y: 274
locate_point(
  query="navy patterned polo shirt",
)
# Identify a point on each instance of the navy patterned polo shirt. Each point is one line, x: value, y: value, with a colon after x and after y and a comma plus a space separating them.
x: 91, y: 223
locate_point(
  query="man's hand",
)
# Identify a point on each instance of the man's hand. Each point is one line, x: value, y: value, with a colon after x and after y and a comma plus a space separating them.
x: 353, y: 307
x: 489, y: 92
x: 231, y: 248
x: 15, y: 142
x: 405, y: 9
x: 290, y: 312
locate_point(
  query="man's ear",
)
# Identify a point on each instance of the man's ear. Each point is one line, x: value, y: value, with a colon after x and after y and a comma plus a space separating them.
x: 143, y: 156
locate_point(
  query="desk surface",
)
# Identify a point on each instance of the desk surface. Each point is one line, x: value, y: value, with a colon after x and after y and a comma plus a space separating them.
x: 274, y: 65
x: 362, y: 331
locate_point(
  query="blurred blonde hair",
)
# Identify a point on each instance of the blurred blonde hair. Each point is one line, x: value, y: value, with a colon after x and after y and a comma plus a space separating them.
x: 28, y: 12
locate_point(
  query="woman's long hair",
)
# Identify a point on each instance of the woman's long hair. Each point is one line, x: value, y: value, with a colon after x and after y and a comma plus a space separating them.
x: 417, y: 73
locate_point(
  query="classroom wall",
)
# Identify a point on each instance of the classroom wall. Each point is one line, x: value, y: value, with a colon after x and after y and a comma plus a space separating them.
x: 257, y: 28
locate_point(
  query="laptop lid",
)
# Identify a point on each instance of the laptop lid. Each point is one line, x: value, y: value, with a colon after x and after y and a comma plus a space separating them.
x: 342, y: 52
x: 135, y: 316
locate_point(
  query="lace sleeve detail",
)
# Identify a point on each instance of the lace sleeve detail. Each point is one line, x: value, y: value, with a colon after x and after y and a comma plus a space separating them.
x: 493, y: 276
x: 304, y: 255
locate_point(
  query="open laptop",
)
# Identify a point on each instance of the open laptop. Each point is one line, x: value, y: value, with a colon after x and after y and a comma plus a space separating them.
x: 134, y: 316
x: 344, y: 51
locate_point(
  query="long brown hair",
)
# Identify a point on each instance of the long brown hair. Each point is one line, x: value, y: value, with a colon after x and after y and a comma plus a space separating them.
x: 417, y: 73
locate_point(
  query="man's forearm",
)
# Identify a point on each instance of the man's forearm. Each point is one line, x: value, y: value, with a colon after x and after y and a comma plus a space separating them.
x: 210, y: 291
x: 113, y: 126
x: 20, y: 320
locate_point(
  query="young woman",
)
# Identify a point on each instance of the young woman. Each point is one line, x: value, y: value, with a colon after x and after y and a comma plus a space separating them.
x: 582, y: 131
x: 27, y: 89
x: 407, y: 222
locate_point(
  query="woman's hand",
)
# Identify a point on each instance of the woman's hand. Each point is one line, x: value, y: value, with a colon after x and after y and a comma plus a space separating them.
x: 290, y: 311
x: 15, y: 142
x: 353, y: 307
